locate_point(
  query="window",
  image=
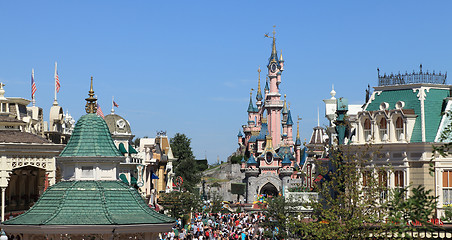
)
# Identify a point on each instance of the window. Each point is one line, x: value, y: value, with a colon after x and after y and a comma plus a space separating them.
x: 383, y: 184
x: 366, y: 178
x: 367, y: 131
x: 383, y: 129
x: 447, y: 187
x: 4, y: 109
x: 87, y: 172
x: 398, y: 179
x: 399, y: 129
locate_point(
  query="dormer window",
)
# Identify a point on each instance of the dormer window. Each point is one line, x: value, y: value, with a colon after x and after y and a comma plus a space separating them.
x: 399, y: 129
x: 367, y: 130
x: 383, y: 124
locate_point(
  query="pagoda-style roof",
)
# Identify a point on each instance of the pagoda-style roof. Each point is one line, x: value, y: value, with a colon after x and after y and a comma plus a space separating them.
x: 78, y: 203
x: 91, y: 137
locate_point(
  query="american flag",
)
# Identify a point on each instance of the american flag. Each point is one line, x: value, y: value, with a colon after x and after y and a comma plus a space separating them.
x: 99, y: 111
x: 115, y: 104
x: 57, y: 79
x: 33, y: 84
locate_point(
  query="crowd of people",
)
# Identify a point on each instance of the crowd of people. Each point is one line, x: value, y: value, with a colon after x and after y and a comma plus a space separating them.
x: 218, y: 226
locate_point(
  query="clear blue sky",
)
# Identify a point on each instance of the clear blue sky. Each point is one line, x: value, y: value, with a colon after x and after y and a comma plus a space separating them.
x: 188, y: 66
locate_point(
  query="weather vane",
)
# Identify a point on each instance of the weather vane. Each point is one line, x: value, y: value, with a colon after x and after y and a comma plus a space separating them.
x: 274, y: 32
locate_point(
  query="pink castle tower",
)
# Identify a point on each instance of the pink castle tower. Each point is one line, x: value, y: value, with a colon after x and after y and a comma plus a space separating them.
x: 273, y: 103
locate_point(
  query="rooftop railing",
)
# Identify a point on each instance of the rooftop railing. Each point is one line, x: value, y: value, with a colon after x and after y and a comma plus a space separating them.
x: 411, y: 78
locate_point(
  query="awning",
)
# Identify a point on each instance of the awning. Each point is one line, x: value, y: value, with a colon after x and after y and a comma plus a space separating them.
x: 123, y: 178
x: 122, y: 149
x: 132, y: 150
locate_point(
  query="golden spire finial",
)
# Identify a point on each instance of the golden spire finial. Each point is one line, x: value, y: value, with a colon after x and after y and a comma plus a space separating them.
x: 280, y: 57
x: 251, y: 92
x: 259, y: 81
x: 298, y: 126
x: 91, y: 105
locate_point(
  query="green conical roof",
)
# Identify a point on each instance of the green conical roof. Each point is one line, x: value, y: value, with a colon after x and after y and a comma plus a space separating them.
x: 89, y: 203
x: 91, y: 138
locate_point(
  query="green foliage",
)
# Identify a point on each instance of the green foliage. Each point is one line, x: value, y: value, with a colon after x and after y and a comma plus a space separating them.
x: 184, y: 166
x: 281, y: 214
x: 347, y: 207
x: 179, y: 203
x: 417, y: 208
x: 236, y: 159
x: 447, y: 214
x: 216, y: 202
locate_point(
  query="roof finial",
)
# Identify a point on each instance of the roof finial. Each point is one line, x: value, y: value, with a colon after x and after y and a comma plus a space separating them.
x: 420, y: 67
x: 280, y: 57
x: 259, y: 93
x: 333, y: 93
x: 91, y: 104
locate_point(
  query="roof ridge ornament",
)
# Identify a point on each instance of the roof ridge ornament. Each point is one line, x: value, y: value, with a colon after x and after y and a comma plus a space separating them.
x: 91, y: 101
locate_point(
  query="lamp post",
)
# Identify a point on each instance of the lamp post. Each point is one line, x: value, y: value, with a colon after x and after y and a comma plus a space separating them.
x: 3, y: 235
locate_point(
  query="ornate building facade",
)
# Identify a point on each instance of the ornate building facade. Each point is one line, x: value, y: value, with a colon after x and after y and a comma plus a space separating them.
x: 399, y: 123
x: 271, y: 156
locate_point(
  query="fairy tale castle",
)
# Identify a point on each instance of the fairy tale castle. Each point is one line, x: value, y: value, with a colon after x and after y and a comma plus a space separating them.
x: 271, y: 157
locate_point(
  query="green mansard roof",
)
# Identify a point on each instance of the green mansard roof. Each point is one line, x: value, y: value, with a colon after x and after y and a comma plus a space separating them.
x: 433, y: 105
x: 90, y: 138
x: 90, y: 203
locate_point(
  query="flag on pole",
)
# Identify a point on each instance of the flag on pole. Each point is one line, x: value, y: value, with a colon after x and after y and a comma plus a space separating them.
x: 33, y: 84
x: 57, y: 79
x: 99, y: 111
x: 115, y: 104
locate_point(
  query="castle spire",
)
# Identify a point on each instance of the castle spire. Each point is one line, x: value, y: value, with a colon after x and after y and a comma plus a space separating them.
x: 285, y: 110
x: 251, y: 106
x: 91, y: 101
x: 259, y: 93
x: 298, y: 141
x: 274, y: 55
x: 280, y: 56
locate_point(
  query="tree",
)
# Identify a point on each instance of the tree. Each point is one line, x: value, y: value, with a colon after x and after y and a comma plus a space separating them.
x: 278, y: 213
x: 185, y: 164
x: 179, y: 203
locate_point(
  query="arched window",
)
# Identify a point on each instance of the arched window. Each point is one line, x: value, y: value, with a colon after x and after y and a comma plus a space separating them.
x: 367, y: 130
x: 399, y: 128
x: 383, y: 129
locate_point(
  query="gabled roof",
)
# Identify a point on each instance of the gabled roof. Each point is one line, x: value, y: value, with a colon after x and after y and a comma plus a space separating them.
x: 90, y: 203
x: 91, y: 137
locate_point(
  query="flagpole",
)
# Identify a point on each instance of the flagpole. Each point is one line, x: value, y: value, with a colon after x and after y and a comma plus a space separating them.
x: 33, y: 79
x: 112, y: 105
x: 54, y: 78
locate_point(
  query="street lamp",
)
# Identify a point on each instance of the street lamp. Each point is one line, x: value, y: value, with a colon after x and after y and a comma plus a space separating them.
x: 3, y: 235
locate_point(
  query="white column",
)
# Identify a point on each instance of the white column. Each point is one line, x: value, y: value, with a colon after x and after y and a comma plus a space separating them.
x: 3, y: 203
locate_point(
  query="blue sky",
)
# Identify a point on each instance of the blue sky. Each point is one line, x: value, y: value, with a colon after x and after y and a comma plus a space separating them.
x: 188, y: 66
